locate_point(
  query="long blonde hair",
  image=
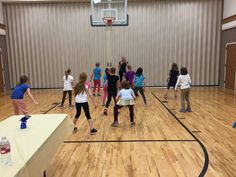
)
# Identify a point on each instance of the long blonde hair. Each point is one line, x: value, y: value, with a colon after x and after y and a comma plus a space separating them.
x: 80, y: 86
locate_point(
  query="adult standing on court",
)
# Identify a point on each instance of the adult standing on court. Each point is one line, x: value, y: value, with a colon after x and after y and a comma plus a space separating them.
x: 122, y: 67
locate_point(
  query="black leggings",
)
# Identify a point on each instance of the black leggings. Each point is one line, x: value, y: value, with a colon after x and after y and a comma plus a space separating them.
x: 110, y: 95
x: 140, y: 89
x: 86, y: 110
x: 64, y: 96
x: 121, y: 74
x: 131, y: 112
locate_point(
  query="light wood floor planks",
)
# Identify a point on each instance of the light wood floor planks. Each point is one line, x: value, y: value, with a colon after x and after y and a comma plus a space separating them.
x: 157, y: 146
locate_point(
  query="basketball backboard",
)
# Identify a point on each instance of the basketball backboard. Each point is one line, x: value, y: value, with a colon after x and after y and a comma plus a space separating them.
x: 109, y: 12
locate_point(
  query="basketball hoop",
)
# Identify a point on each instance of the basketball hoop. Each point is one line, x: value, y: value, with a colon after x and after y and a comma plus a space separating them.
x: 108, y: 20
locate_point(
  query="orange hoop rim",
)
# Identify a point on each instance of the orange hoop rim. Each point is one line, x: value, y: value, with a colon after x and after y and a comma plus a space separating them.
x: 109, y: 20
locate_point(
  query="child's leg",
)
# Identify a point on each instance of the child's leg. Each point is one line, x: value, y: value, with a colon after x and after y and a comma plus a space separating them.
x: 131, y: 113
x: 109, y: 99
x: 70, y: 97
x: 116, y: 107
x: 104, y: 95
x: 188, y: 100
x: 142, y: 93
x: 114, y: 97
x: 22, y: 106
x: 182, y: 100
x: 87, y: 114
x: 175, y: 92
x: 15, y: 107
x: 78, y: 112
x: 121, y: 75
x: 166, y: 91
x: 99, y: 86
x: 63, y: 98
x: 95, y: 85
x: 136, y: 91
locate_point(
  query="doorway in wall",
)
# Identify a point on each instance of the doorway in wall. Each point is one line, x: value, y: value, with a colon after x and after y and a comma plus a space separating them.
x: 230, y: 66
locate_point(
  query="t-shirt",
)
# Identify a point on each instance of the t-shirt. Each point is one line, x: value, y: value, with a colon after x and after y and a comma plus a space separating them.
x: 139, y: 81
x: 112, y: 80
x: 68, y: 82
x: 130, y: 76
x: 19, y: 91
x: 173, y: 75
x: 96, y: 73
x: 126, y: 94
x: 184, y: 81
x: 123, y: 67
x: 82, y: 97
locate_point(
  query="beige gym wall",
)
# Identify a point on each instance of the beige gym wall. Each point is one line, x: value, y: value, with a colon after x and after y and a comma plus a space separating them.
x: 46, y: 38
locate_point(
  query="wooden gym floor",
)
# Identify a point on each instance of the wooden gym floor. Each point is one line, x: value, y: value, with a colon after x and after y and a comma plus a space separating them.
x: 163, y: 143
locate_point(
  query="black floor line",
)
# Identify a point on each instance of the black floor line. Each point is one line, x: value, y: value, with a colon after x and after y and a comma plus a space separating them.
x: 128, y: 141
x: 206, y: 163
x: 55, y: 105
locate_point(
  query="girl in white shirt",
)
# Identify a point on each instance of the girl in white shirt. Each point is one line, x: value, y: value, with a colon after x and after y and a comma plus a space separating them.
x: 81, y: 100
x: 67, y: 87
x: 125, y: 97
x: 184, y: 81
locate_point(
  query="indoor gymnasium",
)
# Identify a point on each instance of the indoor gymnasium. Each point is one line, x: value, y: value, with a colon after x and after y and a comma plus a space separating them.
x: 118, y: 88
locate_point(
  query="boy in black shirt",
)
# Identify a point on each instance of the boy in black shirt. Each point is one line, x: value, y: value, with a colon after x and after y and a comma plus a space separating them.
x: 113, y: 85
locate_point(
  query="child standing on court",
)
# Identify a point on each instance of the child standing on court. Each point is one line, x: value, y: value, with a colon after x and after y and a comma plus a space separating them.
x: 105, y: 84
x: 113, y: 85
x: 139, y: 84
x: 17, y: 96
x: 127, y: 97
x: 67, y: 88
x: 81, y: 101
x: 129, y: 75
x: 184, y: 81
x: 96, y: 78
x: 173, y: 76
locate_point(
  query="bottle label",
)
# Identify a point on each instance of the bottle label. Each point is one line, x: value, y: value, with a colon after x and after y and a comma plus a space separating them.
x: 5, y: 149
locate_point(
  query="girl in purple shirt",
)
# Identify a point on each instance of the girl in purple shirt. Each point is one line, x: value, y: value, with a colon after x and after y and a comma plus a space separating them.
x: 129, y: 75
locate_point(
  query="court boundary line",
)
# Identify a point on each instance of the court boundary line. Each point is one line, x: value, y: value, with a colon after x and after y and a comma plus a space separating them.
x: 206, y: 163
x: 126, y: 141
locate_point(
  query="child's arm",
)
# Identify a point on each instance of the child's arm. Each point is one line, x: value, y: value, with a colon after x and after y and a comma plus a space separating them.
x: 133, y: 95
x: 189, y: 80
x: 118, y: 96
x: 144, y: 84
x: 31, y: 96
x: 91, y: 96
x: 118, y: 84
x: 91, y: 77
x: 177, y: 83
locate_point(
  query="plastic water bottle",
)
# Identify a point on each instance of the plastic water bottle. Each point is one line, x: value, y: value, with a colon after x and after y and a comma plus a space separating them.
x: 5, y: 150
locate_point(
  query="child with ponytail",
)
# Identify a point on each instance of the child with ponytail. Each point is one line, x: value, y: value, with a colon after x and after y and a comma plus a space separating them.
x: 81, y: 100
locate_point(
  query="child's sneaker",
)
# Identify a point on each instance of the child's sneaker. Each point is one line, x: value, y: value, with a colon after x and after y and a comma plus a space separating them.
x: 75, y: 129
x: 98, y: 94
x: 60, y: 106
x: 132, y: 124
x: 188, y: 110
x: 94, y: 94
x: 105, y: 112
x: 165, y: 96
x: 93, y: 131
x: 182, y: 110
x: 71, y: 106
x: 114, y: 124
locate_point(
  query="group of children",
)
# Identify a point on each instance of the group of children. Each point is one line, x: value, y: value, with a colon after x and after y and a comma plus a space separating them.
x: 129, y: 87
